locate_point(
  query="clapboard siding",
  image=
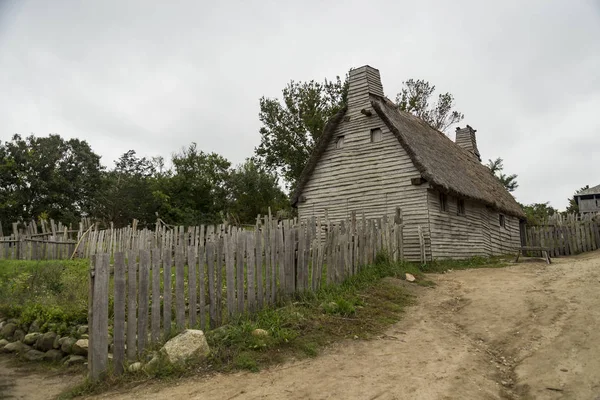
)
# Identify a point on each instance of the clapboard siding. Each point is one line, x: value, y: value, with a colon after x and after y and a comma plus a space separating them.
x: 370, y: 177
x: 477, y: 233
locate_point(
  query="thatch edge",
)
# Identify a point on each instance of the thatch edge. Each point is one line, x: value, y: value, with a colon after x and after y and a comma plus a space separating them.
x: 317, y: 152
x: 429, y: 177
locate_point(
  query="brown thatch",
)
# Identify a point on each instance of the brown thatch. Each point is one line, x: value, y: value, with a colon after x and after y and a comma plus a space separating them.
x: 445, y: 165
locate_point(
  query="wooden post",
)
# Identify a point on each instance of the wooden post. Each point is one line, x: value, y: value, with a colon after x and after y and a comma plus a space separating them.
x: 230, y: 270
x: 251, y: 272
x: 131, y: 305
x: 98, y: 354
x: 240, y: 271
x: 167, y: 292
x: 212, y: 296
x: 192, y: 285
x: 155, y: 324
x: 179, y: 287
x: 119, y: 304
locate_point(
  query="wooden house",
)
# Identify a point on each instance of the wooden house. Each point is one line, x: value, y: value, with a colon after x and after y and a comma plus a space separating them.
x: 372, y: 157
x: 588, y: 200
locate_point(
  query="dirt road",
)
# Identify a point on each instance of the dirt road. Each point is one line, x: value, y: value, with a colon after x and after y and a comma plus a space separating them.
x: 528, y: 331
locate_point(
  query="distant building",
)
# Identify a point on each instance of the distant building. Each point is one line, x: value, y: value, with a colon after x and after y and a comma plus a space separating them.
x: 588, y: 200
x: 373, y: 158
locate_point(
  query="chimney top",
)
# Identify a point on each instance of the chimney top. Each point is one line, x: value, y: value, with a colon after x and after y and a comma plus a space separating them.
x: 362, y: 82
x: 466, y: 139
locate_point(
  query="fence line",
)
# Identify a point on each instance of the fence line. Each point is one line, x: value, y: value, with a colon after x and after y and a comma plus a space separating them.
x: 220, y: 274
x: 567, y: 238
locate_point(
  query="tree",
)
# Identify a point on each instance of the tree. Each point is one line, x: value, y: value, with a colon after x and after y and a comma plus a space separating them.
x: 573, y: 207
x: 538, y: 213
x: 253, y: 190
x: 415, y: 98
x: 291, y: 128
x: 509, y: 181
x: 47, y: 176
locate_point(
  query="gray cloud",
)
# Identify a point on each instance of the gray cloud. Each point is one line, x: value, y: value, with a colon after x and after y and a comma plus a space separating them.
x: 155, y: 76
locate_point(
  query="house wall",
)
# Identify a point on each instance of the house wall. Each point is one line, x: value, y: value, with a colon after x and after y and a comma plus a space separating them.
x: 476, y: 233
x: 589, y: 204
x: 370, y: 177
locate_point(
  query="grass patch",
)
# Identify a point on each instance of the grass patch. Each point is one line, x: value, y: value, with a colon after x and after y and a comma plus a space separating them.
x: 53, y: 292
x: 441, y: 266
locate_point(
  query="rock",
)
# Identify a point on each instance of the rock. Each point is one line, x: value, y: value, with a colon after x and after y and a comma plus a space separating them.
x: 34, y: 355
x: 19, y: 335
x: 80, y: 348
x: 55, y: 345
x: 190, y: 344
x: 46, y: 342
x: 135, y: 367
x: 67, y: 345
x: 31, y: 338
x: 53, y: 355
x: 35, y: 326
x: 16, y: 347
x: 84, y: 336
x: 3, y: 342
x: 8, y: 330
x: 410, y: 277
x: 260, y: 333
x: 2, y: 323
x: 83, y: 329
x: 73, y: 360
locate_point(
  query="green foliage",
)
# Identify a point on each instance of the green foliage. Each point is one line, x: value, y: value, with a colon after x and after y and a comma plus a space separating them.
x: 52, y: 292
x: 47, y: 176
x: 509, y: 181
x: 538, y: 213
x: 290, y: 128
x: 415, y: 98
x: 440, y: 266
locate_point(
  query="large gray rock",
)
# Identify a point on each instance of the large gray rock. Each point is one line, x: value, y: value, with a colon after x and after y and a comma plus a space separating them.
x: 31, y: 338
x: 73, y: 360
x: 46, y: 342
x: 67, y: 344
x: 16, y: 347
x: 35, y: 326
x: 19, y: 335
x: 34, y: 355
x: 8, y: 330
x: 190, y: 345
x: 3, y: 342
x: 83, y: 329
x: 56, y: 344
x: 80, y: 348
x: 53, y: 355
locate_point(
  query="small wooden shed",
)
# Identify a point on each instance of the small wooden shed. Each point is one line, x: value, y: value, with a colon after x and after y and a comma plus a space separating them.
x: 588, y: 200
x: 373, y: 158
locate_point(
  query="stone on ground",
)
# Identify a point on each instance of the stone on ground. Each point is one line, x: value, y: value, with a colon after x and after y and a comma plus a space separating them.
x: 34, y: 355
x: 72, y: 360
x: 31, y: 338
x: 3, y: 342
x: 8, y: 330
x: 260, y: 333
x: 53, y: 355
x: 46, y: 341
x: 80, y: 348
x: 67, y: 344
x: 16, y: 347
x: 136, y: 366
x: 18, y: 335
x: 187, y: 346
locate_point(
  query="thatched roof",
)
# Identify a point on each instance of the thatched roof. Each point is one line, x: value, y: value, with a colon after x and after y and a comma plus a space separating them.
x: 445, y: 165
x: 590, y: 191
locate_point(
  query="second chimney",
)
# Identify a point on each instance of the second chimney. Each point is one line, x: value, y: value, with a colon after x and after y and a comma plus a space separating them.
x: 466, y: 139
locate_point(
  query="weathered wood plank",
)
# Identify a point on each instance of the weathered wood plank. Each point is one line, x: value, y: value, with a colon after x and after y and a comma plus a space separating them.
x: 230, y: 272
x: 240, y: 254
x: 119, y: 313
x: 156, y: 296
x: 192, y: 284
x: 179, y: 287
x: 202, y: 281
x: 167, y: 291
x: 98, y: 357
x: 143, y: 300
x: 259, y: 265
x: 131, y: 305
x: 212, y: 296
x: 251, y: 272
x: 219, y: 279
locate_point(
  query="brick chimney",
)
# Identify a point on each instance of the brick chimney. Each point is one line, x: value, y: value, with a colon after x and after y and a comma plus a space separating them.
x: 466, y: 139
x: 363, y: 81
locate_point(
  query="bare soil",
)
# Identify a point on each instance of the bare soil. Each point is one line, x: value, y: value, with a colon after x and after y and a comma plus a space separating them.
x: 527, y: 331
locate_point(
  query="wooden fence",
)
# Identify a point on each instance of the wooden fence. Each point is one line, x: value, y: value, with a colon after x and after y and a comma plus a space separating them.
x: 220, y: 274
x: 565, y: 239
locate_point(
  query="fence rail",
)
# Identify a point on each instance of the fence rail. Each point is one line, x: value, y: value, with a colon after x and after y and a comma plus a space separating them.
x: 567, y: 238
x: 222, y: 273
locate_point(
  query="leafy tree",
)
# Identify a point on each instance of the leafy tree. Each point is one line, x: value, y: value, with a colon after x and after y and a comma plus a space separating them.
x: 291, y: 128
x: 415, y: 99
x: 573, y: 207
x: 509, y: 181
x: 253, y: 190
x: 539, y: 213
x: 47, y: 176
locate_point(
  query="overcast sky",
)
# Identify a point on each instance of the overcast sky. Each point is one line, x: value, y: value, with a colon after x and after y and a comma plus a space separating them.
x: 154, y: 75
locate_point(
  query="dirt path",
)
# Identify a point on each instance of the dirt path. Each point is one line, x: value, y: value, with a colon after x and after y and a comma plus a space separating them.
x: 528, y: 331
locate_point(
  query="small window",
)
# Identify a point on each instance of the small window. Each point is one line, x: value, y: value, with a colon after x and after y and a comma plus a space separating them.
x: 339, y: 142
x: 460, y: 206
x: 376, y: 135
x: 502, y: 221
x: 443, y: 202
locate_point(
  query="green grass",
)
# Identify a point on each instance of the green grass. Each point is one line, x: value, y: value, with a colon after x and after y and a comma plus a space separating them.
x: 52, y: 292
x: 440, y: 266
